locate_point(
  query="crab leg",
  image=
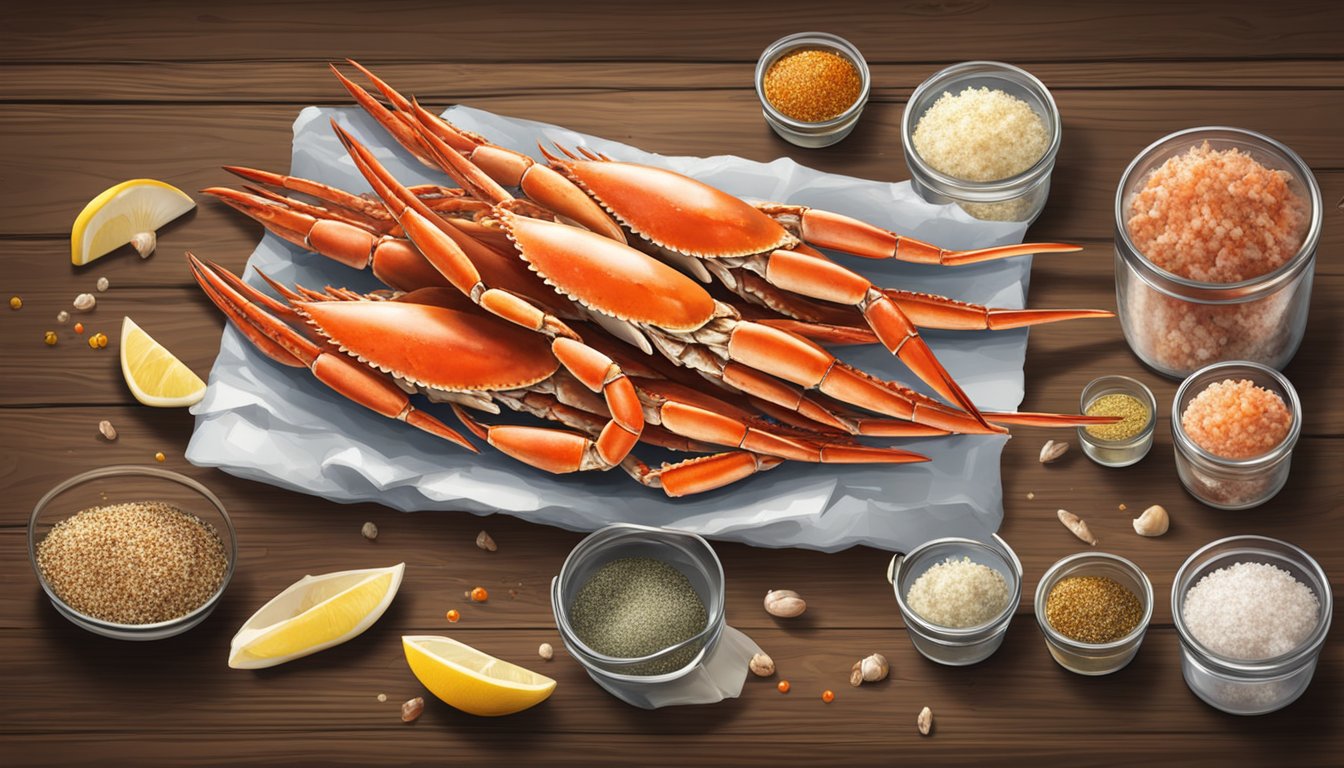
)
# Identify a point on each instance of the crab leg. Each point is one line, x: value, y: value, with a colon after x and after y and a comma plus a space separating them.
x: 700, y: 474
x: 844, y: 233
x: 440, y: 144
x: 340, y: 372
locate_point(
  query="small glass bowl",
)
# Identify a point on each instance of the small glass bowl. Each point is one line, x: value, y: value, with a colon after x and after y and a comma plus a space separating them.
x: 956, y: 646
x: 1118, y: 453
x: 826, y: 132
x: 1095, y: 658
x: 686, y: 552
x: 1225, y: 483
x: 121, y: 484
x: 1016, y: 198
x: 1175, y: 324
x: 1259, y: 686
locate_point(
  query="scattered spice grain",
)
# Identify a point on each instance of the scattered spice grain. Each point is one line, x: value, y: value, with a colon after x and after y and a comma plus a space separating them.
x: 369, y: 531
x: 637, y: 606
x: 783, y: 686
x: 1092, y: 609
x: 15, y: 302
x: 1132, y: 411
x: 1250, y: 611
x: 479, y: 595
x: 49, y: 338
x: 79, y: 327
x: 382, y: 697
x: 828, y: 696
x: 102, y: 285
x: 812, y: 85
x: 159, y: 457
x: 958, y: 593
x: 1236, y: 419
x: 134, y: 563
x: 62, y: 317
x: 452, y: 615
x: 98, y: 341
x: 545, y: 651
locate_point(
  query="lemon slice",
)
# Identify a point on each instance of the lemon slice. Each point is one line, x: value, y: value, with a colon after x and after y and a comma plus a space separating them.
x: 314, y: 613
x: 473, y: 681
x: 120, y: 213
x: 154, y: 375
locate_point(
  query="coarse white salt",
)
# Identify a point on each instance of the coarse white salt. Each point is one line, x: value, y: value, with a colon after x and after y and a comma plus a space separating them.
x: 1250, y: 611
x: 980, y: 134
x: 958, y: 593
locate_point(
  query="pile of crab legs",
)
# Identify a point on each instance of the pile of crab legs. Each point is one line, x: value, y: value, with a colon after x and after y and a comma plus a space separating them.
x: 543, y: 303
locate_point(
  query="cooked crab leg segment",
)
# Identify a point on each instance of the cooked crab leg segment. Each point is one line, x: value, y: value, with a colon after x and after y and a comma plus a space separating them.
x: 440, y: 144
x: 701, y: 474
x: 370, y: 210
x: 825, y: 229
x: 338, y: 371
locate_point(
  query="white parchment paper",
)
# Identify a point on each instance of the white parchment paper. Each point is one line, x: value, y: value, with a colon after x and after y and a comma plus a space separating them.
x: 266, y: 422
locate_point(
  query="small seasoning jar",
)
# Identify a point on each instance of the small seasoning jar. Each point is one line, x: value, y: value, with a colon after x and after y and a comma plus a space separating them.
x: 1017, y: 197
x: 687, y: 552
x: 1225, y: 483
x: 1258, y: 686
x: 128, y: 485
x: 1177, y: 324
x: 956, y: 646
x: 1133, y: 442
x: 823, y: 132
x: 1095, y: 658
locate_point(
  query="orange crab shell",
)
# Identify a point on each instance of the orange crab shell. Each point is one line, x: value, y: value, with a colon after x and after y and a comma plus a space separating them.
x: 434, y: 346
x: 637, y: 195
x: 608, y: 276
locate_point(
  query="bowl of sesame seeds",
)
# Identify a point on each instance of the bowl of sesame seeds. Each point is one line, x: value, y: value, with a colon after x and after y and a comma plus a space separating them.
x: 813, y: 87
x: 132, y: 553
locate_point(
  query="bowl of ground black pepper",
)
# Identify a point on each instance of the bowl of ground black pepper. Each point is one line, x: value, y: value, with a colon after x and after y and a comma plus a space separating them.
x: 813, y: 87
x: 1124, y: 442
x: 132, y: 553
x: 639, y: 605
x: 1094, y: 609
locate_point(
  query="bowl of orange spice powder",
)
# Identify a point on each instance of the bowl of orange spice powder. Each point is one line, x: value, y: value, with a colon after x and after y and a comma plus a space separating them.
x: 812, y: 87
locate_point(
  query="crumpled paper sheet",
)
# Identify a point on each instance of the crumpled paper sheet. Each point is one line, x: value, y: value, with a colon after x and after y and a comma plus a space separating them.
x: 266, y: 422
x: 719, y: 675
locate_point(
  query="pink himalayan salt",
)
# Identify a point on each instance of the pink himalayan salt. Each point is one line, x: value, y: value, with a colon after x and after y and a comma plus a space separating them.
x: 1236, y: 419
x: 1217, y: 216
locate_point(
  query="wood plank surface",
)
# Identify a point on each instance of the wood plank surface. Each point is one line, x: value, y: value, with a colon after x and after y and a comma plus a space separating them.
x: 94, y: 93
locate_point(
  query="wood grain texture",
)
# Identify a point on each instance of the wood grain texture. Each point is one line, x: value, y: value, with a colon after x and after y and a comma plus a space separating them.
x: 95, y: 93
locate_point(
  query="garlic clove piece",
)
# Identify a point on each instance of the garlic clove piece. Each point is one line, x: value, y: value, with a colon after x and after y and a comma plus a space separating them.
x: 1153, y: 522
x: 784, y: 603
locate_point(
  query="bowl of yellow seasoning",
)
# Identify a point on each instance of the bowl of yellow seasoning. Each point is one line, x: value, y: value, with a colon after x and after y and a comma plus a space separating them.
x: 812, y: 87
x: 1128, y: 440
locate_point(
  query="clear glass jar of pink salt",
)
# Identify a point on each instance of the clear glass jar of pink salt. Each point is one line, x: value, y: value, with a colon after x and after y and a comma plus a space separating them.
x: 1206, y: 472
x: 1215, y: 245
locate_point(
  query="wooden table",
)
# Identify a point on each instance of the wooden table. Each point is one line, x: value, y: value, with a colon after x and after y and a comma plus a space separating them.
x: 96, y: 93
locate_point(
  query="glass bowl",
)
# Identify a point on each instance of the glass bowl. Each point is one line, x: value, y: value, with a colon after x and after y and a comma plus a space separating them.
x: 1118, y: 453
x: 1254, y: 686
x: 956, y: 646
x: 1015, y: 198
x: 1095, y: 658
x: 121, y: 484
x: 825, y: 132
x: 1224, y: 483
x: 686, y: 552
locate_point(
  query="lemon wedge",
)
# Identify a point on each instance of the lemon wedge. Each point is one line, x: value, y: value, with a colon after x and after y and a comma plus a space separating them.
x: 314, y: 613
x: 473, y: 681
x: 154, y: 375
x: 120, y: 213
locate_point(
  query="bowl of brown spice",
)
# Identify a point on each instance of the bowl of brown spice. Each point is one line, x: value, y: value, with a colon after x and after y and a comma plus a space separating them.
x: 133, y: 553
x: 813, y: 87
x: 1094, y: 609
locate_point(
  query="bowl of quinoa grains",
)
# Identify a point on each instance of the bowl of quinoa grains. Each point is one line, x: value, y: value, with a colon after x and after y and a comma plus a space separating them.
x: 1233, y: 429
x: 957, y: 597
x: 1094, y: 609
x: 133, y: 553
x: 1252, y: 614
x: 982, y: 135
x: 1216, y: 235
x: 639, y: 605
x: 813, y: 87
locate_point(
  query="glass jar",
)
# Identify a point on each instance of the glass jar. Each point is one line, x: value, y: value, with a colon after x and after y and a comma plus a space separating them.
x: 124, y: 484
x: 1118, y: 453
x: 1250, y: 687
x: 1017, y: 198
x: 956, y: 646
x: 1176, y: 325
x: 826, y: 132
x: 686, y: 552
x: 1095, y: 658
x: 1234, y: 483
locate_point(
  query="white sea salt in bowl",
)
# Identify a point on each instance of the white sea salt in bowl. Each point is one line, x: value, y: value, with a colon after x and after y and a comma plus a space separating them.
x: 958, y: 645
x: 1249, y: 639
